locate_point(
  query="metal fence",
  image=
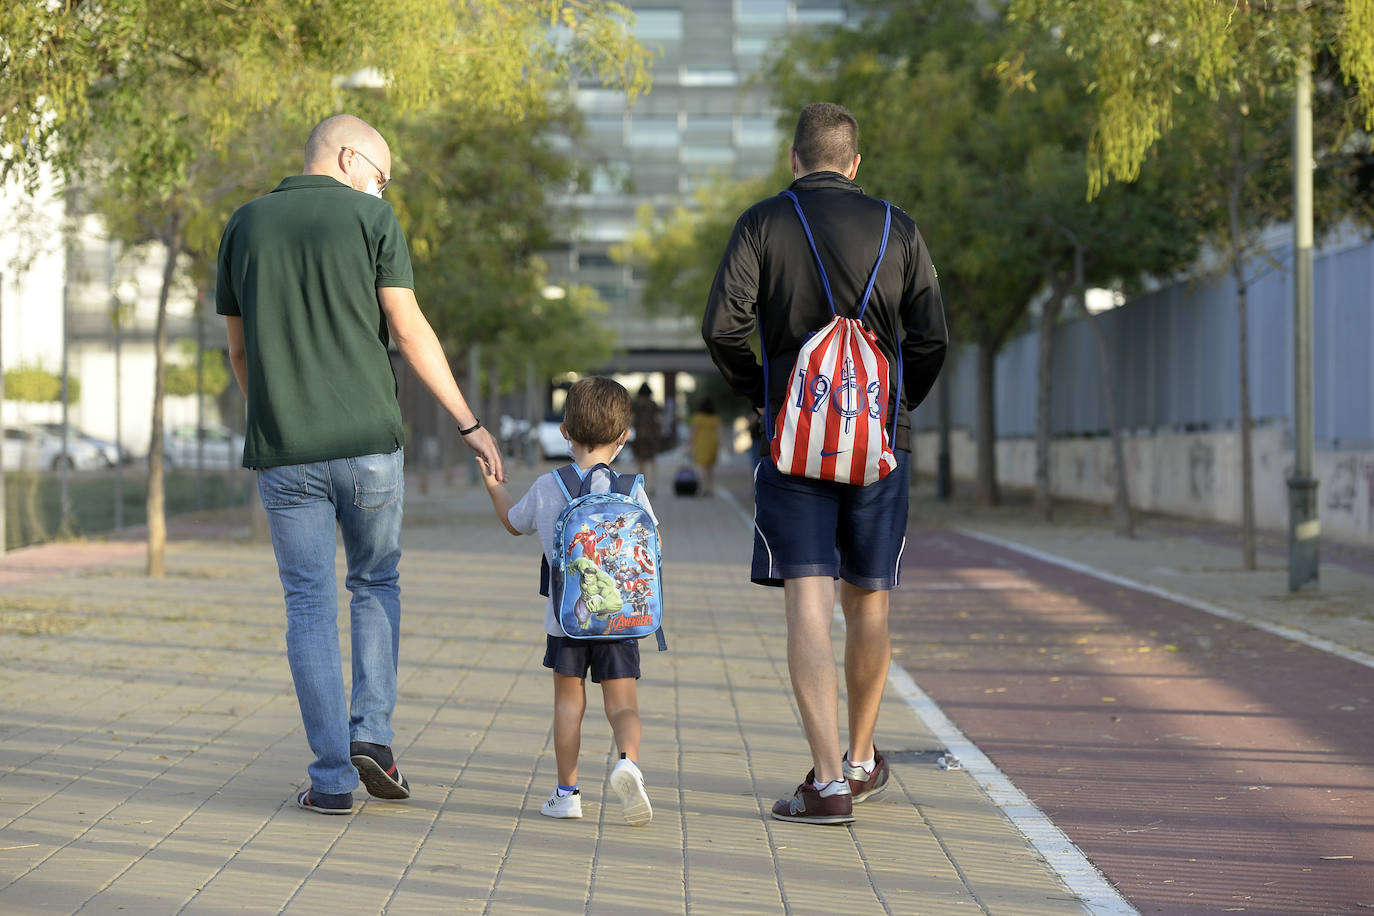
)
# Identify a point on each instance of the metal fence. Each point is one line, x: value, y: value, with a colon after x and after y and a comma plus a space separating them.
x: 1176, y: 359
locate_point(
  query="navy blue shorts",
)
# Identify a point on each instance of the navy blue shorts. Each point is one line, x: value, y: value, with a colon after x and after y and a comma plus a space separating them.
x: 805, y: 527
x: 606, y: 660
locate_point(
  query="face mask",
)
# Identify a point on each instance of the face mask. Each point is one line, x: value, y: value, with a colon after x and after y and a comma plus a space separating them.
x: 372, y: 188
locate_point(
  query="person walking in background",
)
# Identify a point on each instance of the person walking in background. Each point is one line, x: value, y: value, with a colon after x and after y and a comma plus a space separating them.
x: 648, y: 440
x: 808, y: 532
x: 314, y: 280
x: 596, y: 423
x: 704, y: 443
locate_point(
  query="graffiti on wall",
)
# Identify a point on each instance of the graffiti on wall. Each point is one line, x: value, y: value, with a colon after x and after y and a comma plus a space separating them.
x: 1202, y: 472
x: 1340, y: 492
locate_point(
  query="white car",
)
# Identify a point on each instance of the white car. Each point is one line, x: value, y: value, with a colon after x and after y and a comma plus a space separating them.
x: 33, y: 449
x: 222, y: 448
x: 552, y: 445
x: 111, y: 452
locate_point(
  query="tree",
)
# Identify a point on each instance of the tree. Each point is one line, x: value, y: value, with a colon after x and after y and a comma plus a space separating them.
x: 158, y: 100
x: 473, y: 191
x: 943, y: 139
x: 1142, y: 54
x: 1235, y: 59
x: 680, y: 249
x: 184, y: 379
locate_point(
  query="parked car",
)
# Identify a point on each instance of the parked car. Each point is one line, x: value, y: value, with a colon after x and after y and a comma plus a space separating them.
x: 109, y: 451
x: 31, y: 448
x: 223, y: 448
x: 552, y: 445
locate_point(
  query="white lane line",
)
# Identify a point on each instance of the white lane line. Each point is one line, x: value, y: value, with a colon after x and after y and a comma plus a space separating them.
x: 1073, y: 868
x: 1079, y: 875
x: 728, y: 498
x: 1278, y: 629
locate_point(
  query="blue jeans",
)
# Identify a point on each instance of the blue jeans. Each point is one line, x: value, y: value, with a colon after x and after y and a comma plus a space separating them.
x: 364, y: 496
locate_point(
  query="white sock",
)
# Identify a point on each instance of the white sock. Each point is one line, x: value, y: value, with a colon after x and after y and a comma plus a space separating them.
x: 866, y: 765
x: 837, y: 787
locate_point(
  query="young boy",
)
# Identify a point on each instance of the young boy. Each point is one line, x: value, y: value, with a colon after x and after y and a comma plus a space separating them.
x: 596, y: 423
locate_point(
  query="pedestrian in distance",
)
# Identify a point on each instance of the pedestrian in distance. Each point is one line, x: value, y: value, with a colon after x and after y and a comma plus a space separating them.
x: 648, y: 440
x: 596, y: 423
x: 704, y: 443
x: 791, y: 265
x: 314, y: 280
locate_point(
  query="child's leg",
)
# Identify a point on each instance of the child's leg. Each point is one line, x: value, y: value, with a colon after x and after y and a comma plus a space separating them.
x: 569, y: 705
x: 622, y: 711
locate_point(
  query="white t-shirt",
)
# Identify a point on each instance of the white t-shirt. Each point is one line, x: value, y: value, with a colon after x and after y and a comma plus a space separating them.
x: 538, y: 510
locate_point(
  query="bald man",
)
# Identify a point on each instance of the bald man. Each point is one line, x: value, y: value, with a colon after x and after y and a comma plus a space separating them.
x: 314, y: 281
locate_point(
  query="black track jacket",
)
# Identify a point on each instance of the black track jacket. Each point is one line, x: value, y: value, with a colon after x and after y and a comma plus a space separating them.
x: 768, y: 276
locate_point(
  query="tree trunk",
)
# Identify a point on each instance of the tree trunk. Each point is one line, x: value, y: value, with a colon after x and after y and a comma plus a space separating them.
x: 1049, y: 319
x: 987, y: 424
x: 1121, y: 506
x: 1247, y: 474
x: 1247, y: 453
x: 156, y: 500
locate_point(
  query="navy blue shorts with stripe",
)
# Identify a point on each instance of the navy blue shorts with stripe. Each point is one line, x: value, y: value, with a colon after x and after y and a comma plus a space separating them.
x: 805, y: 527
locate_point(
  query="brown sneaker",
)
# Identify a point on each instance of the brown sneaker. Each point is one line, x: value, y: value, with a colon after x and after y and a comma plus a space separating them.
x: 808, y: 806
x: 864, y: 786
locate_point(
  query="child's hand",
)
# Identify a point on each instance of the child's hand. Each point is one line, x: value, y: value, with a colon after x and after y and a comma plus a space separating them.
x: 488, y: 477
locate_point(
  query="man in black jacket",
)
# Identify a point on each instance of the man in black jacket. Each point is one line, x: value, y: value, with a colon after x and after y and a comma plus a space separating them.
x: 809, y: 532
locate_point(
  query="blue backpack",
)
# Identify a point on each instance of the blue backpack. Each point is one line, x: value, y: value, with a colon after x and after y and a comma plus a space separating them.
x: 605, y: 581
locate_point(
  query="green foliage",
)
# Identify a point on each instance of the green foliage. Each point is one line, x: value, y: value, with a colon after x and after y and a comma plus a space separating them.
x: 472, y: 189
x: 678, y: 250
x: 37, y: 385
x: 181, y: 375
x: 1142, y: 56
x: 176, y: 111
x: 154, y: 68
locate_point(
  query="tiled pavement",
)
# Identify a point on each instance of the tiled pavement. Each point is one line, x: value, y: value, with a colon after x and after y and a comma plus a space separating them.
x: 150, y: 746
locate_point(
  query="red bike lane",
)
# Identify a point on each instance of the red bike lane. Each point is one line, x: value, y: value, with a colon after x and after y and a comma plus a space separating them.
x: 1203, y: 765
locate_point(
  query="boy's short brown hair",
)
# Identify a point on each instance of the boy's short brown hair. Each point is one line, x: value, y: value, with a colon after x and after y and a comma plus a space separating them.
x: 597, y: 411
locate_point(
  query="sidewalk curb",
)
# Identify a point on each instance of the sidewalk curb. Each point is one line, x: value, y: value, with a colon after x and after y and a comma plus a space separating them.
x: 1081, y: 877
x: 1068, y: 862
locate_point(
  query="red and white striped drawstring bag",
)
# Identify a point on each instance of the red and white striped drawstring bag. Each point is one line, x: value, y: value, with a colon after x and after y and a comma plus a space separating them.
x: 832, y: 425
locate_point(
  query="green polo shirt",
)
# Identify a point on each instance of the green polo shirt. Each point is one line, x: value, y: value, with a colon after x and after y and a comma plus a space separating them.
x: 302, y: 266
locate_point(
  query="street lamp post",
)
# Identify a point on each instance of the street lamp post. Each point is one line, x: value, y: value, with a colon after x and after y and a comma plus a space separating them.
x: 1304, y: 527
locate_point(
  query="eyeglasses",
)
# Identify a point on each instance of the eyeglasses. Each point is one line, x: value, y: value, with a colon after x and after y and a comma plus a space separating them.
x: 386, y: 179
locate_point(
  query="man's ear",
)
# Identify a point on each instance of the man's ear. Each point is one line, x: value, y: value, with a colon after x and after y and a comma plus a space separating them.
x: 853, y: 167
x: 793, y: 161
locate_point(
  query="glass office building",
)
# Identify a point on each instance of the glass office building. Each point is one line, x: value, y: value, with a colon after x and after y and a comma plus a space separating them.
x: 709, y: 114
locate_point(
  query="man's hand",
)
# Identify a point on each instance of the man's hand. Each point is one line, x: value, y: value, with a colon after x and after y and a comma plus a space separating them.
x: 488, y: 452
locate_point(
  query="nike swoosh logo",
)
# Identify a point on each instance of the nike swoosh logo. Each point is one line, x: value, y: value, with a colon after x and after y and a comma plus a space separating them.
x: 825, y: 454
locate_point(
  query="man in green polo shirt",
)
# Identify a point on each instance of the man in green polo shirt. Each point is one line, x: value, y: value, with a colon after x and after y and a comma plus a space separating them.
x: 315, y: 282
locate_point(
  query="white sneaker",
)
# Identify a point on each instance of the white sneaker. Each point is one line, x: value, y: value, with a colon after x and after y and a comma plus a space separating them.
x: 628, y: 783
x: 562, y: 805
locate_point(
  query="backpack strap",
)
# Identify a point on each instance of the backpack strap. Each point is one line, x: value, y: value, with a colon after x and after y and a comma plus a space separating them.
x: 571, y: 483
x: 625, y: 484
x: 863, y: 305
x: 825, y: 280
